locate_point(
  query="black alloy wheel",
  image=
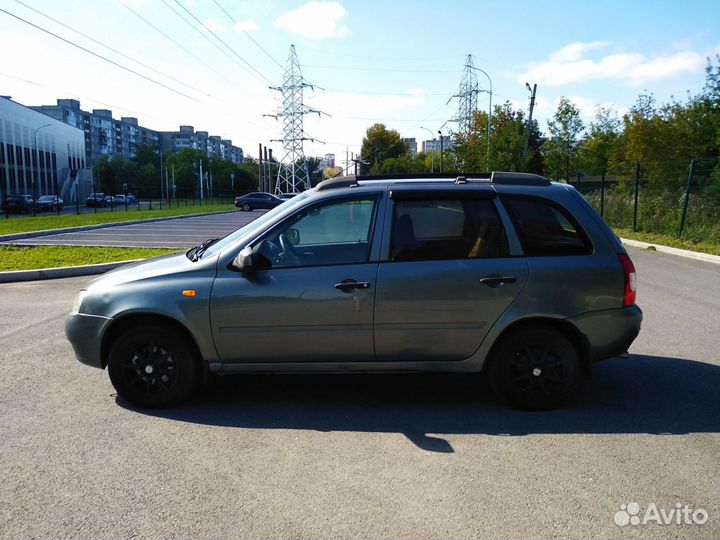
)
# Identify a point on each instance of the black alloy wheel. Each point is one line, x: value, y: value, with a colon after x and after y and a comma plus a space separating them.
x: 153, y: 366
x: 535, y: 368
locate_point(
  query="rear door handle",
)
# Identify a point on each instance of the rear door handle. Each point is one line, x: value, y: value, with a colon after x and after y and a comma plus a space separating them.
x: 494, y: 280
x: 348, y: 285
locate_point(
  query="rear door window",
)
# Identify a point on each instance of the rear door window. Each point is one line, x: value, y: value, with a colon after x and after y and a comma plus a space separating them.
x: 426, y: 229
x: 545, y: 228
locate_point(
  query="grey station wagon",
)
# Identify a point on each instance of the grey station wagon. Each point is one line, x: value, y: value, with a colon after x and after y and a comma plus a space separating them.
x: 504, y: 273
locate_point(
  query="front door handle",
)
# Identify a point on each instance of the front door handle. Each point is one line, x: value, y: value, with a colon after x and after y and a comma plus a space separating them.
x: 348, y: 285
x: 496, y: 280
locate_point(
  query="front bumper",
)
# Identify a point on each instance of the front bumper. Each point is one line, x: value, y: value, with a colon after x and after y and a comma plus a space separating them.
x: 609, y: 332
x: 85, y: 335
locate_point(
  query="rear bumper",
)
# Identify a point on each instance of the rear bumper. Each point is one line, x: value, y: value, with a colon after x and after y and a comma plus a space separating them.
x: 85, y: 335
x: 609, y: 332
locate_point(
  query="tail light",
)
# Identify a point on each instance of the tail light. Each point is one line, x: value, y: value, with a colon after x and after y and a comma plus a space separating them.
x: 630, y: 280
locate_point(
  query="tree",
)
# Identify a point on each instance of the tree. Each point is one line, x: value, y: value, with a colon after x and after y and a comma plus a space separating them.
x: 604, y: 142
x: 561, y: 151
x: 380, y: 144
x: 507, y: 143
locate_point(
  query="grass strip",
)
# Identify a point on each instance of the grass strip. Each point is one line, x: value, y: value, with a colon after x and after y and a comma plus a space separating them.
x: 50, y: 222
x: 37, y: 257
x: 667, y: 240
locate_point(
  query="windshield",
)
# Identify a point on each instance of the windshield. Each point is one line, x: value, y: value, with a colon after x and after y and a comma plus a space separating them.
x: 254, y: 225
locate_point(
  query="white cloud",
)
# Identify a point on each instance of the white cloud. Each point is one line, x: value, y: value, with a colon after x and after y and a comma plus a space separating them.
x: 570, y: 64
x: 213, y: 25
x: 315, y: 20
x: 575, y: 51
x: 248, y: 25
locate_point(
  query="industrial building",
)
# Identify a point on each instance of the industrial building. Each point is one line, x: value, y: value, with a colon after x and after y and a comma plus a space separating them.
x: 40, y: 155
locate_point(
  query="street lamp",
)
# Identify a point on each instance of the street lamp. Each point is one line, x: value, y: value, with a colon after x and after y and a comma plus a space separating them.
x: 37, y: 164
x: 432, y: 152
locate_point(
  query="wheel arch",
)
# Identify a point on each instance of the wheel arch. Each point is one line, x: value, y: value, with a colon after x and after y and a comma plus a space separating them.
x: 130, y: 320
x: 578, y: 340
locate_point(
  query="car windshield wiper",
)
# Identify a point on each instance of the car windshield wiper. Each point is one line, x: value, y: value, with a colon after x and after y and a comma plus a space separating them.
x: 195, y: 253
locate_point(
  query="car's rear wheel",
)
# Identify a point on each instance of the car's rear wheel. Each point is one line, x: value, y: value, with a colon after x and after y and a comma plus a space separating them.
x: 246, y: 207
x: 153, y: 366
x: 535, y: 368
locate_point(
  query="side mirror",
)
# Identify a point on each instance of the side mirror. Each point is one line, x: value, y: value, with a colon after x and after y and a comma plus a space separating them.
x: 294, y: 236
x: 244, y: 259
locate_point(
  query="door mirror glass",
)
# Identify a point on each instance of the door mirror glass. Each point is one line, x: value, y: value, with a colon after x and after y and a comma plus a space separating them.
x: 244, y: 259
x: 294, y: 236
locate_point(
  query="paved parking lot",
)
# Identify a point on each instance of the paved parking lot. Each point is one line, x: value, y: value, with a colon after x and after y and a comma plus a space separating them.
x: 181, y: 233
x: 392, y: 456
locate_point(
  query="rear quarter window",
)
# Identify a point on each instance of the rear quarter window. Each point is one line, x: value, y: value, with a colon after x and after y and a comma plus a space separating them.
x: 546, y: 228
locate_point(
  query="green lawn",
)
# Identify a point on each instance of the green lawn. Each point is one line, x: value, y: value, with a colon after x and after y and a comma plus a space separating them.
x: 667, y: 240
x: 35, y: 257
x: 41, y: 223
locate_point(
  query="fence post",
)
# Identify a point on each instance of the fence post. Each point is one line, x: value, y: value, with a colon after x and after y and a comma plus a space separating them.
x: 686, y: 200
x: 635, y: 206
x: 602, y: 194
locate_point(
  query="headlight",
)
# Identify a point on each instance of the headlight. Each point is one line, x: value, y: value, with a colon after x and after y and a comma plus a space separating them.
x: 78, y: 302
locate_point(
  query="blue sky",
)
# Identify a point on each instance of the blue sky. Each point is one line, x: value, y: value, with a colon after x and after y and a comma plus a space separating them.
x: 396, y: 62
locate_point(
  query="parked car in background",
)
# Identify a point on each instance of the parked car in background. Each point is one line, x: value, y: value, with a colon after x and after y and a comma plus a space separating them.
x: 96, y: 199
x: 503, y: 273
x: 120, y: 200
x: 130, y: 198
x: 109, y: 200
x: 19, y: 204
x: 258, y: 201
x: 49, y: 203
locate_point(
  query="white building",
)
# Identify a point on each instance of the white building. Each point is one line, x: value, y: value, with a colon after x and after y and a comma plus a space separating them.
x: 40, y: 155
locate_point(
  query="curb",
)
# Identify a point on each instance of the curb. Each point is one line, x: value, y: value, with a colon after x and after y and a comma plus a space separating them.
x: 673, y: 251
x: 80, y: 228
x: 63, y: 272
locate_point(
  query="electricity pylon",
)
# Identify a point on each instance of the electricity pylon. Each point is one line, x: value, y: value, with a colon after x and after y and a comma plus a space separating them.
x: 467, y: 97
x: 293, y: 175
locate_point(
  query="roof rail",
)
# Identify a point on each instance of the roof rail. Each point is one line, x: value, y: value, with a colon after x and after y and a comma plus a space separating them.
x: 496, y: 177
x: 337, y: 182
x: 518, y: 179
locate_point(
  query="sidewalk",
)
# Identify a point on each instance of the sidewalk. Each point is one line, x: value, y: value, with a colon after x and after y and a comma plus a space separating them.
x: 673, y: 251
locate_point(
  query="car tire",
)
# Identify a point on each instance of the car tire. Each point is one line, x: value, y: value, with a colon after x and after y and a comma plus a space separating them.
x: 246, y: 207
x: 535, y: 369
x: 153, y: 366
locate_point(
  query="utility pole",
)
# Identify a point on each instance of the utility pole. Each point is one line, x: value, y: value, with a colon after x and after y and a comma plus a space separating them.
x: 161, y: 178
x: 529, y: 122
x: 441, y: 149
x: 268, y: 180
x: 260, y: 169
x: 202, y: 180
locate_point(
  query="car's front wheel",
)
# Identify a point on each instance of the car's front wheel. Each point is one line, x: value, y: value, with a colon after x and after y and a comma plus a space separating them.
x: 535, y: 368
x: 246, y: 207
x: 153, y: 366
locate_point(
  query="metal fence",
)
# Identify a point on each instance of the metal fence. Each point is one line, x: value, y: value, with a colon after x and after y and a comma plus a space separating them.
x: 137, y: 203
x: 677, y: 198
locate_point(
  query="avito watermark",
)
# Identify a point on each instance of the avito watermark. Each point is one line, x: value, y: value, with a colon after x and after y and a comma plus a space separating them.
x: 680, y: 514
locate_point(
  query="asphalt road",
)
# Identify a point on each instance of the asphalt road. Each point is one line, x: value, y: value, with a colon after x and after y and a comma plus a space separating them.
x: 181, y: 233
x: 364, y: 456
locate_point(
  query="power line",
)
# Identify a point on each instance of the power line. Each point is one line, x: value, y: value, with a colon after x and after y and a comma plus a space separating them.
x: 110, y: 48
x: 200, y: 60
x: 248, y: 64
x: 116, y: 64
x: 73, y: 94
x: 391, y: 70
x: 371, y: 93
x: 247, y: 34
x: 191, y: 25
